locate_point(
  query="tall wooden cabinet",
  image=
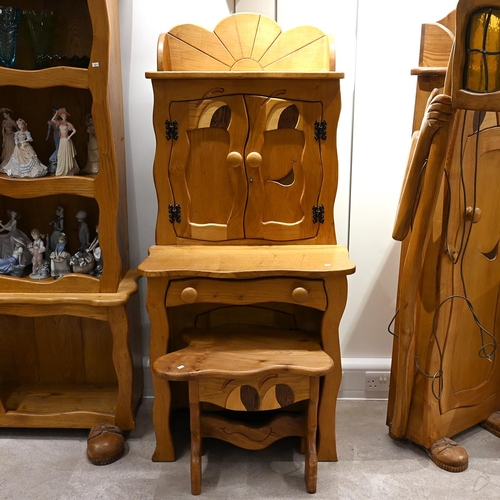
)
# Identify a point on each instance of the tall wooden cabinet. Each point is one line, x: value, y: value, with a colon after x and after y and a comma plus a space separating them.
x: 246, y: 175
x: 445, y: 368
x: 69, y: 353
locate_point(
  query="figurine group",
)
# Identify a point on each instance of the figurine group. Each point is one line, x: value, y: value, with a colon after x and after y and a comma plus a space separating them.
x: 17, y: 250
x: 19, y: 159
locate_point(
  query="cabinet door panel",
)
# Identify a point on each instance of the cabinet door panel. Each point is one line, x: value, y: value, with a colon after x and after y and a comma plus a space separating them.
x: 469, y: 377
x: 206, y: 169
x: 284, y: 168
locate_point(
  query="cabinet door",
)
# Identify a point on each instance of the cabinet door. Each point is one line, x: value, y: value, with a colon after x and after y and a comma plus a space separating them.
x: 469, y: 377
x: 206, y: 169
x: 284, y: 168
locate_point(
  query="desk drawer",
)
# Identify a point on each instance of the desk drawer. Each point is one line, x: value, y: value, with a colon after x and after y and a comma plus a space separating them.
x: 309, y: 293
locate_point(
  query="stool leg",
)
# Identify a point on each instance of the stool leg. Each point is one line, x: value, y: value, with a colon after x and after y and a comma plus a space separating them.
x: 311, y: 457
x: 194, y: 423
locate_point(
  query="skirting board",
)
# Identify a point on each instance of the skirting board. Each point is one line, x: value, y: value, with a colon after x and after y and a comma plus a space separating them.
x: 353, y: 378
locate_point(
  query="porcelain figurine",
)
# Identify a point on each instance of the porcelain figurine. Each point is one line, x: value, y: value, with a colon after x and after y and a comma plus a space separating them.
x: 83, y: 230
x: 23, y: 162
x: 8, y: 130
x: 8, y: 231
x: 15, y: 263
x: 53, y: 129
x: 83, y: 260
x: 59, y: 258
x: 40, y: 268
x: 57, y: 228
x: 97, y: 254
x: 66, y: 153
x: 92, y: 166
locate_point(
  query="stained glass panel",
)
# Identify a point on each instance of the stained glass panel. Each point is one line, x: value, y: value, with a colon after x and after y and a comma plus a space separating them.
x: 482, y: 66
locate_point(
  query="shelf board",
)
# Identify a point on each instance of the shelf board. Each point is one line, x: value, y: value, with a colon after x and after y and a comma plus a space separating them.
x: 33, y: 404
x: 45, y: 186
x: 44, y: 78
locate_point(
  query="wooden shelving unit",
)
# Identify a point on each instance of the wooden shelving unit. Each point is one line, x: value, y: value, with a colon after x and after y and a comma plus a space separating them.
x: 70, y: 355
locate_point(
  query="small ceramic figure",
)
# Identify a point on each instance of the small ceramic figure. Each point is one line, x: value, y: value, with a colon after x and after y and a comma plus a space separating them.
x: 37, y: 248
x: 57, y: 228
x: 83, y: 230
x: 66, y: 153
x: 14, y: 264
x: 8, y: 129
x: 8, y: 231
x: 83, y: 260
x: 59, y: 259
x: 53, y: 128
x: 96, y: 252
x: 92, y: 166
x: 24, y: 162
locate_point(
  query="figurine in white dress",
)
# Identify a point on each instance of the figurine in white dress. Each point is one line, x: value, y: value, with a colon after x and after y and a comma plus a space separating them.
x: 23, y: 162
x: 66, y: 154
x: 8, y: 129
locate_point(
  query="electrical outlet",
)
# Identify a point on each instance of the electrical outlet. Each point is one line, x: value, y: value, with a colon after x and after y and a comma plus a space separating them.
x: 377, y: 381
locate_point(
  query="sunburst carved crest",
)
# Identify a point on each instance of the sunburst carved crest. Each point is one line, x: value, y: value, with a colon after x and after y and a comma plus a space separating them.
x: 245, y: 42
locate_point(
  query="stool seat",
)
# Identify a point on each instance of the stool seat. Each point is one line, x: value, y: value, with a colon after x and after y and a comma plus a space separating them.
x: 249, y: 368
x: 242, y: 351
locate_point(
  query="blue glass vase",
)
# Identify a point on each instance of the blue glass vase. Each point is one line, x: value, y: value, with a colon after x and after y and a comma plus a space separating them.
x: 9, y: 29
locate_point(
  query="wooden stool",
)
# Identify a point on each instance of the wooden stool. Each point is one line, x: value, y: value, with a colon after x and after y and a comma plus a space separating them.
x: 249, y: 369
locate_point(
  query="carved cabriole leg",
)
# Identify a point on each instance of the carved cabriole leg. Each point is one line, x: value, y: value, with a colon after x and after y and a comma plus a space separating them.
x: 195, y: 425
x: 336, y: 292
x: 122, y: 360
x: 157, y: 289
x: 311, y: 458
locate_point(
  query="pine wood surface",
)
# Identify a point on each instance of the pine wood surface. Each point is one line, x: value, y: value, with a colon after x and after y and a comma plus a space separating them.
x: 243, y: 352
x: 246, y: 261
x: 244, y: 42
x: 69, y: 297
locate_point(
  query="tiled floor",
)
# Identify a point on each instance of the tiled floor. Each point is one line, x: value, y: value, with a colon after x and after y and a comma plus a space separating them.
x: 51, y: 464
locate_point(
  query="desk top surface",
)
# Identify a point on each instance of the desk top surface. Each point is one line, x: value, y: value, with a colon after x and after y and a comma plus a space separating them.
x: 237, y: 261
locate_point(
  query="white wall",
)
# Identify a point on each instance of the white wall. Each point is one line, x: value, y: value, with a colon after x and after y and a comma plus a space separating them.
x: 377, y: 45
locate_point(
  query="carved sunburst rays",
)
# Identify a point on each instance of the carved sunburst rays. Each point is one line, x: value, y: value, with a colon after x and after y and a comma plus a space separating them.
x: 247, y: 42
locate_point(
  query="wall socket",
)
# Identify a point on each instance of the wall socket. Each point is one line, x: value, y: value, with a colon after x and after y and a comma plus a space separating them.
x: 377, y: 381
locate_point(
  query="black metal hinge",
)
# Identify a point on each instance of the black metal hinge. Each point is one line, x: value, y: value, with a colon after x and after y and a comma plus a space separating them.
x: 318, y: 214
x: 320, y: 130
x: 171, y: 129
x: 174, y: 213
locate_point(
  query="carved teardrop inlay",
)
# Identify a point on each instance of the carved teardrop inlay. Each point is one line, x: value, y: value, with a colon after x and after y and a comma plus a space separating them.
x: 250, y: 398
x: 284, y: 395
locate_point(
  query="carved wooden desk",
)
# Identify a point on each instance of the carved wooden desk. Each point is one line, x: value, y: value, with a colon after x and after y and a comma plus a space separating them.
x: 307, y: 277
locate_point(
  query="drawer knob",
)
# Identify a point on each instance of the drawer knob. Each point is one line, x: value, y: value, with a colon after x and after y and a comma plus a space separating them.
x: 189, y: 295
x: 300, y: 294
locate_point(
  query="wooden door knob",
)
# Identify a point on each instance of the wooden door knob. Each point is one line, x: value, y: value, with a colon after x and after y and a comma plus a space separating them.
x: 254, y: 159
x: 300, y: 294
x: 189, y: 295
x: 234, y: 159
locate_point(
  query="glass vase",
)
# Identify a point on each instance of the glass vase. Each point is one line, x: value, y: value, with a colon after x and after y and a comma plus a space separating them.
x: 41, y: 29
x: 9, y: 29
